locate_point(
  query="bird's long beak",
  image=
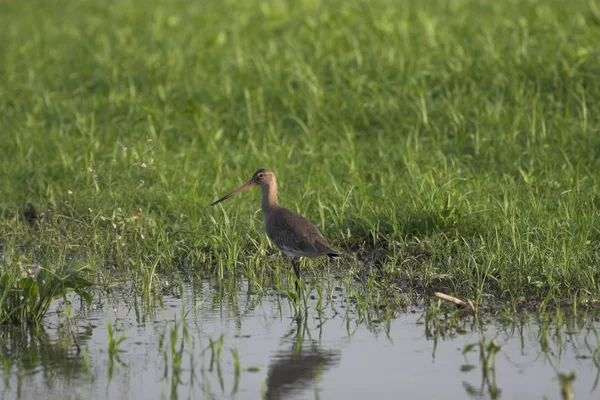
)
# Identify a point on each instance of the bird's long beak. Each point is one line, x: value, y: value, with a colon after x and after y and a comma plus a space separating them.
x: 247, y: 185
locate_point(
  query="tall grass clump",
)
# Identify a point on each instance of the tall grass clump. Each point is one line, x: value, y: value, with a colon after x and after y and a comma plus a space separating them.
x: 26, y: 297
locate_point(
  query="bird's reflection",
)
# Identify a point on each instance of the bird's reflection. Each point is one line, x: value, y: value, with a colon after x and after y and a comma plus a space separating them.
x: 292, y: 369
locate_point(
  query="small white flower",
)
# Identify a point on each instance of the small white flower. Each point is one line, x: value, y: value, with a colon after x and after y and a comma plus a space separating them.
x: 90, y: 210
x: 90, y: 169
x: 144, y: 165
x: 152, y: 160
x: 124, y: 148
x: 119, y: 237
x: 142, y: 236
x: 70, y: 192
x: 114, y: 225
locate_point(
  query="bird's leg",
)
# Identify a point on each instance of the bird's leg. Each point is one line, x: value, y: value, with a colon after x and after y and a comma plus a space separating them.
x: 296, y: 265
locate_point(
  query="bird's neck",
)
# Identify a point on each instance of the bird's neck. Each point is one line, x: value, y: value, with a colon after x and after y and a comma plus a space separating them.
x: 269, y: 197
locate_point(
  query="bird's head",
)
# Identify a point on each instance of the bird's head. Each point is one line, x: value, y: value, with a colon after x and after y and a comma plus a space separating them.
x: 261, y: 177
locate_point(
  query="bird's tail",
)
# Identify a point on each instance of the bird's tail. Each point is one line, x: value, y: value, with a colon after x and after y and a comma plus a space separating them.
x: 334, y: 254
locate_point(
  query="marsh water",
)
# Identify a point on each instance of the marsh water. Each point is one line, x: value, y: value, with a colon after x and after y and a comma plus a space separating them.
x: 207, y: 341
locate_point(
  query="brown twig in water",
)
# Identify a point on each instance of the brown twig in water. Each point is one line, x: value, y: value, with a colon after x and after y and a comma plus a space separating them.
x: 452, y: 299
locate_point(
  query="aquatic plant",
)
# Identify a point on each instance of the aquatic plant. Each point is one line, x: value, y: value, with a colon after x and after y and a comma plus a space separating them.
x: 25, y: 297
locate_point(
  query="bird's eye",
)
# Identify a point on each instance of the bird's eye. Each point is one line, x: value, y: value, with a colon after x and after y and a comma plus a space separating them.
x: 259, y: 176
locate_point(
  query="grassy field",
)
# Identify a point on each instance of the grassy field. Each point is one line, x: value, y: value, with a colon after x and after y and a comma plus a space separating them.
x: 453, y: 144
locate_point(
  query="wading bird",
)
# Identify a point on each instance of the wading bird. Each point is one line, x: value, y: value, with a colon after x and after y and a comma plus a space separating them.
x: 293, y: 234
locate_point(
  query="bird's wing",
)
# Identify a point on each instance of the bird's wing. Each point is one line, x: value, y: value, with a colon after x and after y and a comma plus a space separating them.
x: 288, y: 230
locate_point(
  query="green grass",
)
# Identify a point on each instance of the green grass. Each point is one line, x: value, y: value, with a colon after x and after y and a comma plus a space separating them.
x: 457, y: 140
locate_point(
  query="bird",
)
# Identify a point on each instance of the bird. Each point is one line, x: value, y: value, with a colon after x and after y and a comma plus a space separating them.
x: 294, y: 235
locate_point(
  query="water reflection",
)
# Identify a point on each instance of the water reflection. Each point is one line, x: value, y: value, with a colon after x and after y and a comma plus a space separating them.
x: 487, y: 361
x: 32, y: 351
x: 224, y: 342
x: 292, y: 369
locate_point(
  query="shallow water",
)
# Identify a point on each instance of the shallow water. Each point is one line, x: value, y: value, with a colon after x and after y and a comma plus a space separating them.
x: 338, y: 353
